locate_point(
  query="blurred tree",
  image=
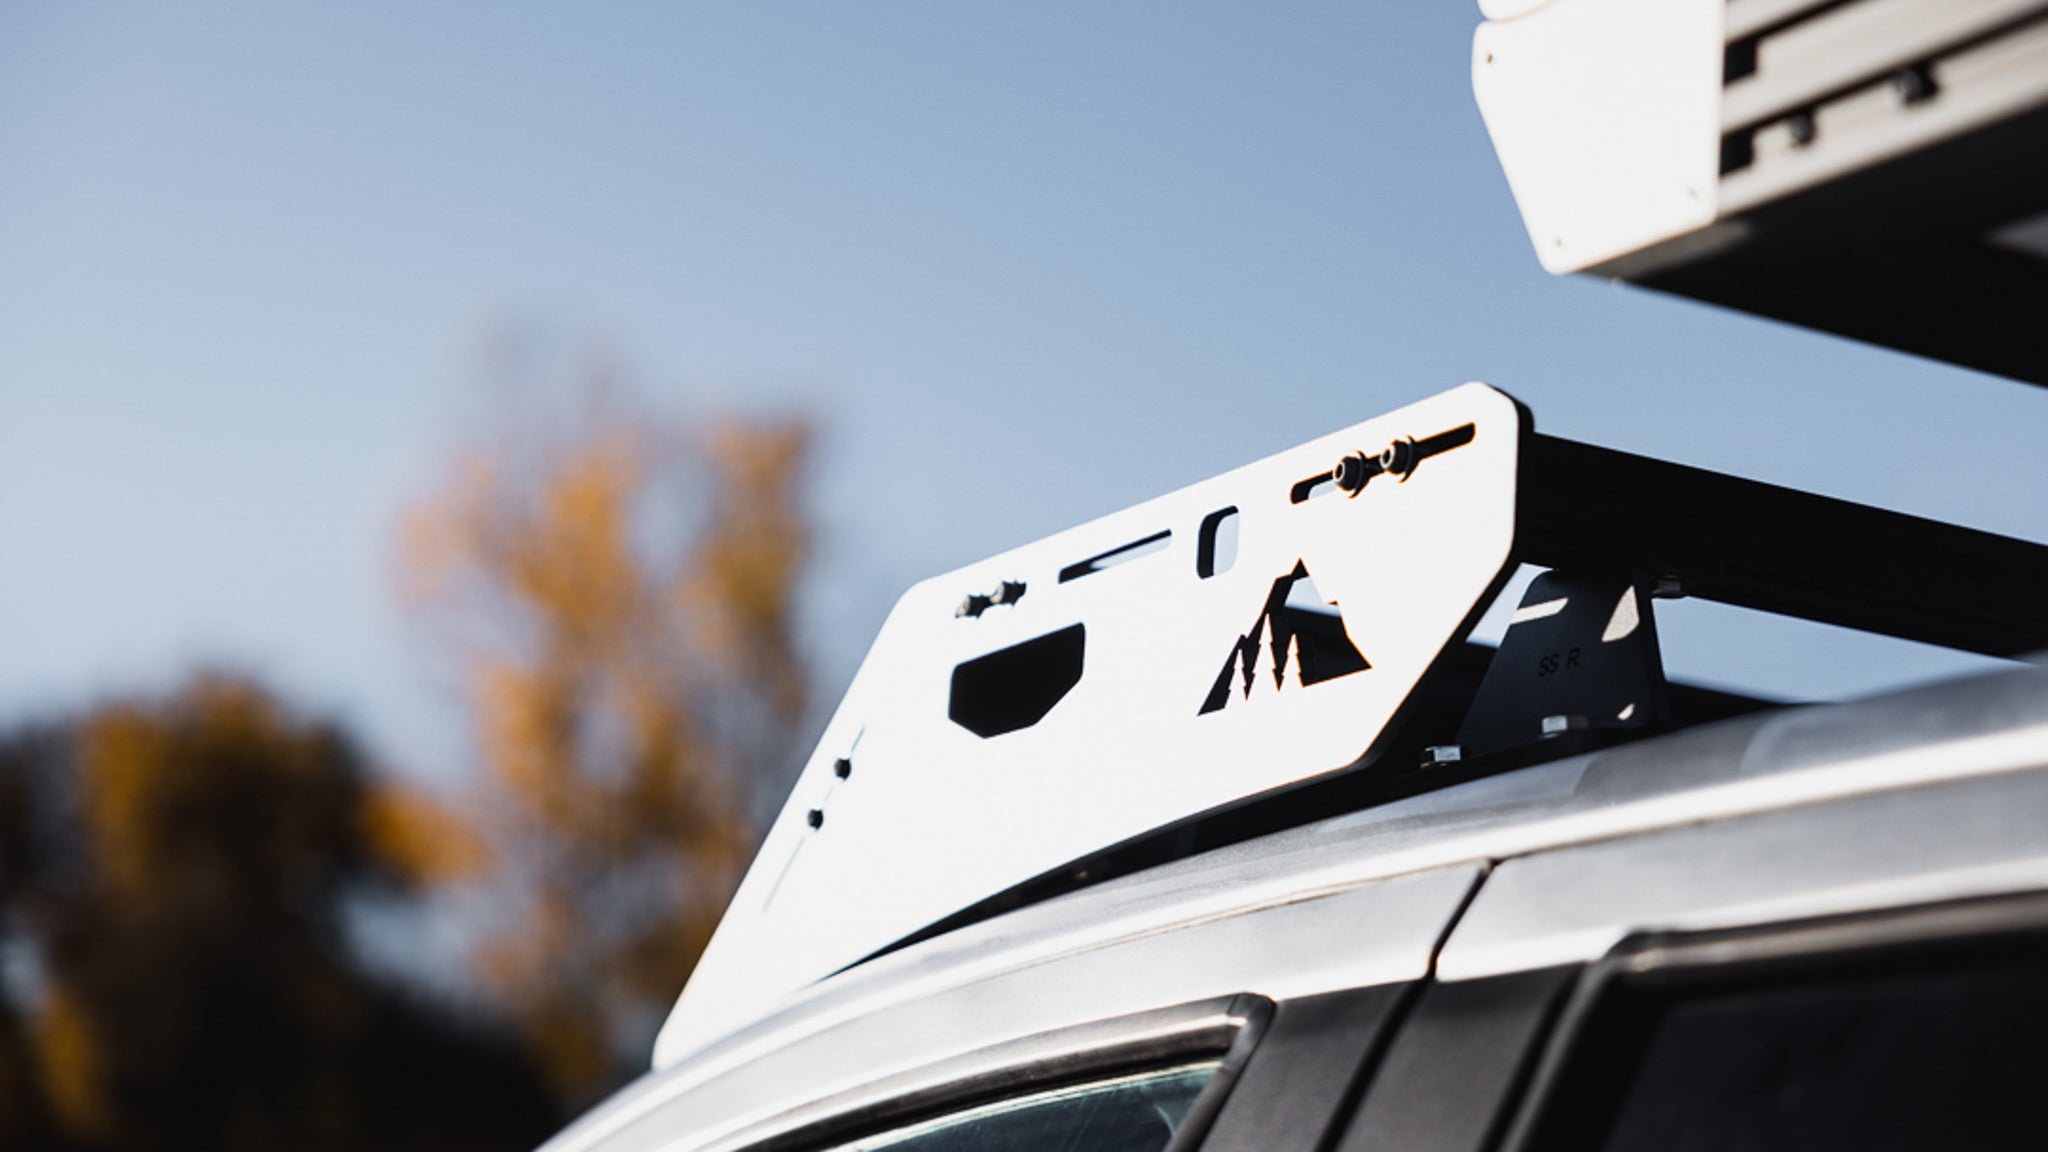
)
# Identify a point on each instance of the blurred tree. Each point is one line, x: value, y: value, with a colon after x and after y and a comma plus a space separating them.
x: 178, y: 872
x: 619, y: 596
x: 24, y: 849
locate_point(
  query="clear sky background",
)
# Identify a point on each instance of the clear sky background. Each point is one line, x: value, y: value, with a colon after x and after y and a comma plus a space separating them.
x: 1027, y: 263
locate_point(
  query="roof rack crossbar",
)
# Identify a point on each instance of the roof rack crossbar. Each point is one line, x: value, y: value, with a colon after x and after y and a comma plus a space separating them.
x: 1756, y: 545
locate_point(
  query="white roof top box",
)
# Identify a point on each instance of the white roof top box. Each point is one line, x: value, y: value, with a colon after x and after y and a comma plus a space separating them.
x: 1872, y: 168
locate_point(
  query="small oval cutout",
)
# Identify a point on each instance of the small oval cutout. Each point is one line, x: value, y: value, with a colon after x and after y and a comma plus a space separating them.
x: 1216, y: 545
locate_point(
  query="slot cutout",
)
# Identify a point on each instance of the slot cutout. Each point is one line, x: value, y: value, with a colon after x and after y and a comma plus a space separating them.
x: 1216, y: 544
x: 1122, y: 554
x: 1738, y: 151
x: 1321, y: 484
x: 1738, y: 60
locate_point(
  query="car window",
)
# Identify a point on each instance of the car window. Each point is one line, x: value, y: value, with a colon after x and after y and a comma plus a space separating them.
x: 1135, y: 1113
x: 1916, y: 1059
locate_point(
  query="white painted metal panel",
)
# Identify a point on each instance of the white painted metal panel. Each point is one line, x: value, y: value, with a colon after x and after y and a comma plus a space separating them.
x: 932, y: 818
x: 1606, y: 117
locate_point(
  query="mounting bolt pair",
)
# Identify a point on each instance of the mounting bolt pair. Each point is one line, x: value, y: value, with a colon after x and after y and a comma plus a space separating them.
x: 1010, y: 592
x: 842, y: 768
x: 1352, y: 472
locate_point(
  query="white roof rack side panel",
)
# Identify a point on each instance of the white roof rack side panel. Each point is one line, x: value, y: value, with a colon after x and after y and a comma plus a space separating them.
x: 1606, y: 116
x: 1120, y: 689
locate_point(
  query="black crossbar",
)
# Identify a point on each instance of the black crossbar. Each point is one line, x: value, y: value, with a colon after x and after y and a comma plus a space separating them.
x: 1760, y: 546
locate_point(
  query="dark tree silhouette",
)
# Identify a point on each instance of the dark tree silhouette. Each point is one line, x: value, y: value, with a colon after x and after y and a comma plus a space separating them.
x: 174, y: 877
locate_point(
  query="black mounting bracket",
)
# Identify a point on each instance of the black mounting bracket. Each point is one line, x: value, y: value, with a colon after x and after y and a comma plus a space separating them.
x: 1580, y: 657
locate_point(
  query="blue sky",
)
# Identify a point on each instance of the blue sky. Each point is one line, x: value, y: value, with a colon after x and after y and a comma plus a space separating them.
x: 1026, y: 263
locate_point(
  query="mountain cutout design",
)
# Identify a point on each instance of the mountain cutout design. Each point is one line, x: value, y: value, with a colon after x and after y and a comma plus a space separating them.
x: 1298, y: 638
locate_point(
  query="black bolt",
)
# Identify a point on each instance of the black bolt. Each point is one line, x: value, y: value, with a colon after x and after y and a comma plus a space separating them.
x: 842, y: 767
x: 1914, y: 84
x: 1350, y: 474
x: 1398, y: 458
x: 816, y: 819
x: 1802, y: 128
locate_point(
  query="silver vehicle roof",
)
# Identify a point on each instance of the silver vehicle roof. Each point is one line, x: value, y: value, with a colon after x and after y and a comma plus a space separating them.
x: 1930, y: 794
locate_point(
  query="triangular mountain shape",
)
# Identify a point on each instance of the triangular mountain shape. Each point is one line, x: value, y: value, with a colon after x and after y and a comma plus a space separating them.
x: 1297, y: 630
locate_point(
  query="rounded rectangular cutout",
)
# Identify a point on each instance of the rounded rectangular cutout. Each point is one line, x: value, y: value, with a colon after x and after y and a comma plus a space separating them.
x: 1216, y: 545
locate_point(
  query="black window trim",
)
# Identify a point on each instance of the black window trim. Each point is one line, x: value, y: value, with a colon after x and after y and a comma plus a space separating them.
x: 1307, y: 1073
x: 1660, y: 964
x: 1457, y: 1062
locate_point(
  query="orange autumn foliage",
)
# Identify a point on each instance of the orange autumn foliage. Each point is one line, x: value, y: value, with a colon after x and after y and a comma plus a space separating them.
x: 618, y: 599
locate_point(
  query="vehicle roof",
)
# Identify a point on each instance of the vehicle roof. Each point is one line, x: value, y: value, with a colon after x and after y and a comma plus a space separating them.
x: 1804, y: 756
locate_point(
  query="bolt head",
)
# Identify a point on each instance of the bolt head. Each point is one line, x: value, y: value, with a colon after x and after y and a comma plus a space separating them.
x: 1398, y: 458
x: 1349, y: 473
